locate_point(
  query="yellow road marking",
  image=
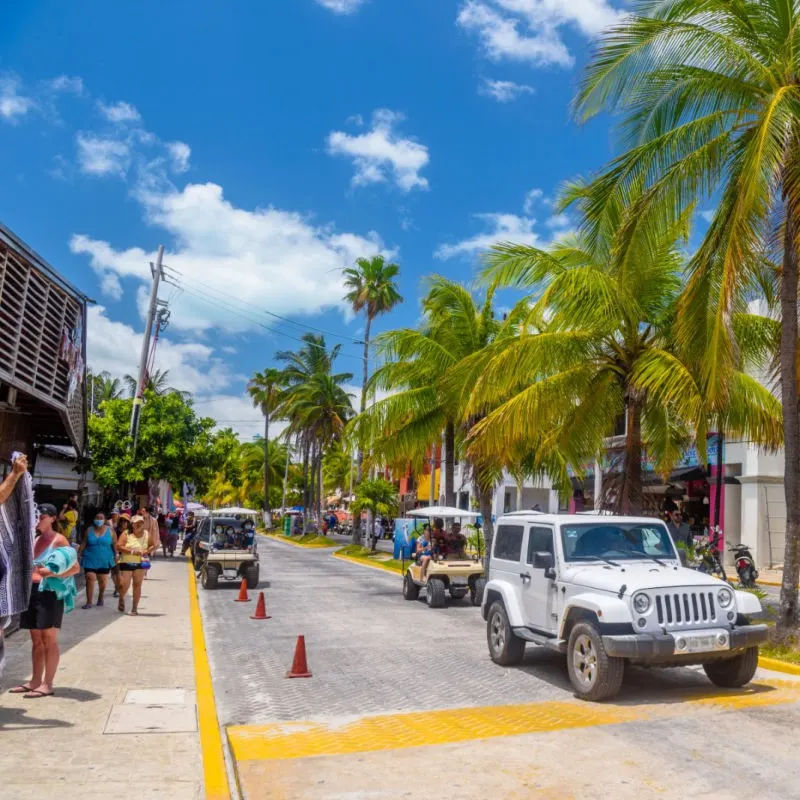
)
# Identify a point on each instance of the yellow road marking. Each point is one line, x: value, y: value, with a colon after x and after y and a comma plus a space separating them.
x: 214, y: 774
x: 292, y: 740
x: 777, y: 665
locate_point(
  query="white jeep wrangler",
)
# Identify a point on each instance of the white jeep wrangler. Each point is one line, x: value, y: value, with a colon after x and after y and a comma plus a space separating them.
x: 610, y: 590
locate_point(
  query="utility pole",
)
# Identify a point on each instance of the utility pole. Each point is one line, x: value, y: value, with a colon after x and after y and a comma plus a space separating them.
x: 157, y: 272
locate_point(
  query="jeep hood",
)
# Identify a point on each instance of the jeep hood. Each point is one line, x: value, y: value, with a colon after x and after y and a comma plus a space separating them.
x: 634, y: 576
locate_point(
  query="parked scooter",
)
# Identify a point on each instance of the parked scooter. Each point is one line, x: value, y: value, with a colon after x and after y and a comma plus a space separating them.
x: 745, y: 566
x: 709, y: 555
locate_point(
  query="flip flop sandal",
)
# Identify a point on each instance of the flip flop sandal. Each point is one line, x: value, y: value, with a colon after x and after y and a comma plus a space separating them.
x: 87, y: 605
x: 21, y: 689
x: 134, y: 613
x: 36, y: 694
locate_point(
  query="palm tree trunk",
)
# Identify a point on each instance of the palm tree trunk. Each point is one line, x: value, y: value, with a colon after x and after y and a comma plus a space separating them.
x: 306, y: 448
x: 449, y: 464
x: 485, y: 507
x: 286, y: 475
x: 630, y: 499
x: 266, y: 471
x: 321, y: 487
x: 360, y: 458
x: 787, y: 612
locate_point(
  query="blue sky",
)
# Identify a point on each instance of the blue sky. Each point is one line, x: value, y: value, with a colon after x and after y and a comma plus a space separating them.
x: 269, y: 144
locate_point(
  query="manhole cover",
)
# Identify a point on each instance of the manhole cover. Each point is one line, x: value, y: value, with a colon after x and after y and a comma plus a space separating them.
x: 158, y: 697
x: 137, y: 718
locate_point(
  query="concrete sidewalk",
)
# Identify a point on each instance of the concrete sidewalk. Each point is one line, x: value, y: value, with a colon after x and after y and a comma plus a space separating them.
x: 123, y: 720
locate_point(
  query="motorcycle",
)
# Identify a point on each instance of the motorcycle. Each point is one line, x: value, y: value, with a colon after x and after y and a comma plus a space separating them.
x: 709, y: 556
x: 745, y: 566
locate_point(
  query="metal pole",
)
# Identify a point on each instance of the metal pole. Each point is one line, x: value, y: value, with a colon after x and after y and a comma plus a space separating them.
x: 148, y: 328
x: 433, y: 475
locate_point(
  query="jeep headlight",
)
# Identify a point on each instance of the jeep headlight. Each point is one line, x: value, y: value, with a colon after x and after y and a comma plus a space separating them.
x: 724, y: 597
x: 641, y: 603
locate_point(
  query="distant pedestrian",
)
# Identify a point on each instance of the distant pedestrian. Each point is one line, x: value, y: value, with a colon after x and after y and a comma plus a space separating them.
x: 46, y: 608
x: 161, y: 521
x: 98, y: 557
x: 123, y: 526
x: 68, y: 519
x: 135, y: 547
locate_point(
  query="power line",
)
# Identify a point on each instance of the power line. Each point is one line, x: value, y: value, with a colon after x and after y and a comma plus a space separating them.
x: 272, y: 313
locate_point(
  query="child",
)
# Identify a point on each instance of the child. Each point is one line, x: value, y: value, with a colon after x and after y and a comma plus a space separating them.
x: 424, y: 551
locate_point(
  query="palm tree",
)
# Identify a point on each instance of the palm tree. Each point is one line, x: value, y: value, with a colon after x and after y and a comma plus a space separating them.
x: 371, y: 286
x: 596, y: 345
x: 425, y: 372
x: 265, y: 390
x: 157, y: 382
x: 102, y: 387
x: 708, y: 92
x: 376, y: 497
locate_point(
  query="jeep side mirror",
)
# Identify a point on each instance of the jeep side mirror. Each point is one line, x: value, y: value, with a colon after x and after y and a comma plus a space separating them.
x: 543, y: 560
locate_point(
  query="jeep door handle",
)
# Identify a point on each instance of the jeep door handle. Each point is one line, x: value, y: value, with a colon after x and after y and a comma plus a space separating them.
x: 526, y: 576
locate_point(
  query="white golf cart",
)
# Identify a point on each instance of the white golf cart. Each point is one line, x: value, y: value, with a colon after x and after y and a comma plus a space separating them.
x: 225, y: 547
x: 450, y: 569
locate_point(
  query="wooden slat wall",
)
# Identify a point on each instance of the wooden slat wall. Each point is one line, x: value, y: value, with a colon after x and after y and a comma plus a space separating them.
x: 33, y: 311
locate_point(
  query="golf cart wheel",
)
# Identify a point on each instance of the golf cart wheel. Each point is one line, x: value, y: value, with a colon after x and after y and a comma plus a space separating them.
x: 505, y: 647
x: 209, y: 576
x: 435, y: 593
x: 476, y: 590
x: 458, y: 593
x: 593, y: 673
x: 250, y: 574
x: 732, y: 673
x: 410, y: 589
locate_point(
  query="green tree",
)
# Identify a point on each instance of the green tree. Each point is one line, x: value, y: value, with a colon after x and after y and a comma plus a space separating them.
x: 377, y: 497
x: 596, y: 345
x: 709, y: 95
x: 101, y: 387
x: 371, y: 286
x: 265, y: 390
x: 156, y: 382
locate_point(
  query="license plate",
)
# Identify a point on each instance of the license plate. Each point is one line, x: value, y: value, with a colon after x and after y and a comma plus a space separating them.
x: 702, y: 642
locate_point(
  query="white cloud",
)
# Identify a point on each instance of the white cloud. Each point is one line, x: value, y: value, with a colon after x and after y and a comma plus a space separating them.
x: 708, y: 215
x: 504, y: 91
x: 119, y: 113
x: 12, y: 103
x: 500, y: 228
x: 531, y: 198
x: 267, y: 258
x: 558, y: 221
x: 381, y: 151
x: 66, y: 83
x: 179, y: 153
x: 98, y: 155
x: 530, y: 30
x: 342, y: 6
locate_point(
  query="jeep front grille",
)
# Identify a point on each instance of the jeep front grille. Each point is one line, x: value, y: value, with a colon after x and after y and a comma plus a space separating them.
x: 686, y: 609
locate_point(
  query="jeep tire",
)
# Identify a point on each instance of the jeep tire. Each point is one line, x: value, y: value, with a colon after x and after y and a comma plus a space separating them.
x: 731, y: 673
x: 434, y: 593
x: 505, y: 647
x: 251, y: 573
x: 593, y: 673
x: 410, y: 589
x: 209, y: 576
x: 476, y: 590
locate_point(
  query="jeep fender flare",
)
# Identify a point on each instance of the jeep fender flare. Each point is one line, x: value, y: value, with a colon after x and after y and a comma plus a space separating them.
x: 500, y: 590
x: 606, y: 609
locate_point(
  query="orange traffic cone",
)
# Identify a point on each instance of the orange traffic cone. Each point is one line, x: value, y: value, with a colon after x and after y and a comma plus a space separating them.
x: 299, y: 666
x: 261, y: 608
x: 243, y: 598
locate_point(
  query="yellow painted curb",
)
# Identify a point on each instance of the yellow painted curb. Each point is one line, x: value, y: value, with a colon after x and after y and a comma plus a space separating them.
x: 770, y: 583
x: 299, y: 544
x: 776, y: 665
x: 363, y: 563
x: 215, y: 777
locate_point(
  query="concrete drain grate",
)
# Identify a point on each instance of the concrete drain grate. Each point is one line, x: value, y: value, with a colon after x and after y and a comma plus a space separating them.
x: 154, y: 711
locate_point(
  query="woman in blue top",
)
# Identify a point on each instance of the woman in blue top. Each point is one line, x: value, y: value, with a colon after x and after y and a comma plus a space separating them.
x: 98, y: 555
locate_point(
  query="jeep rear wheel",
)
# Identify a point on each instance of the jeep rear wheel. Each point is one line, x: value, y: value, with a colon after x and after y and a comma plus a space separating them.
x: 209, y: 577
x: 250, y: 573
x: 476, y: 590
x: 593, y: 673
x: 505, y: 647
x: 434, y: 593
x: 410, y: 589
x: 733, y: 672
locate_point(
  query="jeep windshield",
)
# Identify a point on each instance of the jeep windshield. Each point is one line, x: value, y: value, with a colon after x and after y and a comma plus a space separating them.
x: 617, y: 541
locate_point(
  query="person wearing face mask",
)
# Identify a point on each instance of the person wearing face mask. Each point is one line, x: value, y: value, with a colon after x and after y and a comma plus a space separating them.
x: 98, y: 557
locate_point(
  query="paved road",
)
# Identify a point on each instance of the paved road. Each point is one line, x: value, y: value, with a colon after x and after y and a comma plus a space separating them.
x: 405, y: 702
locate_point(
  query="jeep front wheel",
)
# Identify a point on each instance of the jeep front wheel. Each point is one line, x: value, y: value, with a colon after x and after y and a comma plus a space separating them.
x: 593, y: 673
x: 731, y: 673
x: 410, y: 589
x: 505, y: 647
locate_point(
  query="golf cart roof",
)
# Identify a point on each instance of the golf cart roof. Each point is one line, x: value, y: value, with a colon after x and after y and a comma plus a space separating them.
x: 230, y: 512
x: 446, y: 512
